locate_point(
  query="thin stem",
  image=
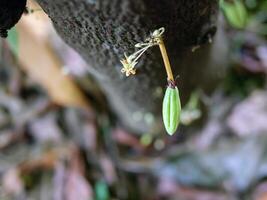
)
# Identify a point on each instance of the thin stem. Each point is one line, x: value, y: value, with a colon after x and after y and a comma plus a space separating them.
x: 166, y: 59
x: 137, y: 53
x: 141, y: 52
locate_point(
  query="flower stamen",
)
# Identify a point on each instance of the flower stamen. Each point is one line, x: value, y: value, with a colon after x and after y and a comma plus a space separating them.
x: 129, y: 62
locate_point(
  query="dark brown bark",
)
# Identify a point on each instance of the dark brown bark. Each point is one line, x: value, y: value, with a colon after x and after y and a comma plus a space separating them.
x: 103, y: 30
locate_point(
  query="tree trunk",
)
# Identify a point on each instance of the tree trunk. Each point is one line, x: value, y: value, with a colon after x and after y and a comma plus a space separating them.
x: 103, y: 30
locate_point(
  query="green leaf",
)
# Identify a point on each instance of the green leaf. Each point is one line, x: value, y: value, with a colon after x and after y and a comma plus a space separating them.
x: 101, y: 191
x: 13, y: 41
x: 235, y: 13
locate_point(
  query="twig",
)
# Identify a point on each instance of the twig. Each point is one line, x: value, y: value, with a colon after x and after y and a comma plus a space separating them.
x: 166, y: 59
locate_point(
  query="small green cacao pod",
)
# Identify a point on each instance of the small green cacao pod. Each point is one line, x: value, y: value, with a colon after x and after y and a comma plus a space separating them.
x: 171, y: 109
x: 235, y: 12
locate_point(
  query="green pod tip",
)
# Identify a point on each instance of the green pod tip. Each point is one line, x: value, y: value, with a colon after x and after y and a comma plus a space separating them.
x: 171, y: 109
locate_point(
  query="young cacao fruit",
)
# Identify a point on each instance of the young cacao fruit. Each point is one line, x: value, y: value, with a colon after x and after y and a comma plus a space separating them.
x: 171, y: 109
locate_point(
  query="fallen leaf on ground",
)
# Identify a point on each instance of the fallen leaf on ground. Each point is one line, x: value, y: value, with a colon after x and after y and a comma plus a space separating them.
x: 250, y: 116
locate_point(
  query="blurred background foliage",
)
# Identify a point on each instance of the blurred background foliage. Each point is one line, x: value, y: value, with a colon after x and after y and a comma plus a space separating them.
x: 59, y: 140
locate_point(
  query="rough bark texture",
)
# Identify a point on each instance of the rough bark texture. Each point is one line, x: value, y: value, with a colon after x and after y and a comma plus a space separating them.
x: 103, y: 30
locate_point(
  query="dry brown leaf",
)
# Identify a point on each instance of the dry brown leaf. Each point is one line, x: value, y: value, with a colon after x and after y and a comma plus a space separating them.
x: 123, y: 137
x: 45, y: 129
x: 12, y: 182
x: 108, y: 169
x: 69, y: 179
x: 39, y: 61
x: 169, y: 189
x: 260, y: 192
